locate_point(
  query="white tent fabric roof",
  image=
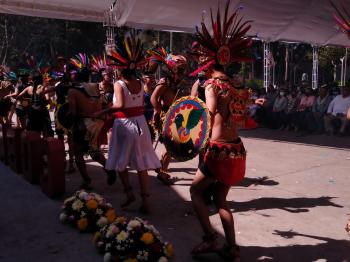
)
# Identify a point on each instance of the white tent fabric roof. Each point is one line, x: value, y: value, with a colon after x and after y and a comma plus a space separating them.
x: 309, y: 21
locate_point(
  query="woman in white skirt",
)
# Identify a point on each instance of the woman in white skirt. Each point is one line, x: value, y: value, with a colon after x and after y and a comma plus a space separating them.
x: 131, y: 144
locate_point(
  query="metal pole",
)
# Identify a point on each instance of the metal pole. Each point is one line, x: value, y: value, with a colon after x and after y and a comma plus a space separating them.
x: 267, y: 68
x: 342, y: 72
x: 314, y: 67
x: 287, y: 61
x: 171, y: 42
x: 345, y: 65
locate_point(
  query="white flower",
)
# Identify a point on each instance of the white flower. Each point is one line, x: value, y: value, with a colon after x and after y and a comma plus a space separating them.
x: 163, y: 259
x: 63, y: 217
x: 142, y: 255
x: 102, y: 222
x: 109, y: 233
x: 107, y: 257
x: 77, y: 205
x: 68, y: 200
x: 99, y: 211
x: 122, y: 236
x: 133, y: 224
x: 82, y: 195
x: 82, y: 214
x: 153, y: 230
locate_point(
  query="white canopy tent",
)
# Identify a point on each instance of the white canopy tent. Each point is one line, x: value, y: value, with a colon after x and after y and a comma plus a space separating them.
x: 308, y: 21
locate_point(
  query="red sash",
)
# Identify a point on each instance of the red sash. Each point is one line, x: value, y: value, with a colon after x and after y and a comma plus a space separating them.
x: 129, y: 112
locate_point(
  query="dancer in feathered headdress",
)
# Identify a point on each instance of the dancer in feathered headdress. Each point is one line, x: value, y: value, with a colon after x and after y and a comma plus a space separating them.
x: 166, y: 92
x: 224, y: 159
x: 129, y: 54
x: 131, y: 143
x: 99, y: 65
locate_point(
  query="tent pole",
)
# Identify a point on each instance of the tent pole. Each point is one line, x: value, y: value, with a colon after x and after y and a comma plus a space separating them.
x: 171, y: 42
x: 345, y: 65
x: 314, y: 67
x: 267, y: 66
x: 286, y: 62
x: 342, y: 71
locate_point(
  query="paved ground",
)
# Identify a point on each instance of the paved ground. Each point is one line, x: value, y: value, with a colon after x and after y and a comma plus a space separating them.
x: 292, y: 206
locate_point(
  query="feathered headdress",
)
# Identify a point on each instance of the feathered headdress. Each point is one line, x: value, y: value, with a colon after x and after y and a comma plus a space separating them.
x: 173, y: 62
x: 7, y: 74
x: 98, y: 63
x: 228, y: 44
x: 129, y: 54
x: 342, y: 19
x: 37, y: 66
x: 80, y: 61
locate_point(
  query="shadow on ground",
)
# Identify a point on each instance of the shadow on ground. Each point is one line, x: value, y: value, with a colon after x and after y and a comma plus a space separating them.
x: 330, y: 250
x: 293, y: 205
x: 294, y: 137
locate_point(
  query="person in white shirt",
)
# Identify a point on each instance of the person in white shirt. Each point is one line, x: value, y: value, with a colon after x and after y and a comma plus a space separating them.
x: 337, y: 111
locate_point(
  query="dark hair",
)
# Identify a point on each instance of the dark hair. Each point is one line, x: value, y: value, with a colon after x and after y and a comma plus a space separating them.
x: 127, y: 72
x: 83, y: 75
x: 218, y: 67
x: 37, y: 80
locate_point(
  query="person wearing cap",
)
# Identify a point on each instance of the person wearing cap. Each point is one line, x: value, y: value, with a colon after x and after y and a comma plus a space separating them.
x: 314, y: 119
x: 336, y: 117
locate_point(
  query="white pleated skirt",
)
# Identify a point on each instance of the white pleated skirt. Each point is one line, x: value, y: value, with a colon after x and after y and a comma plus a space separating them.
x: 131, y: 146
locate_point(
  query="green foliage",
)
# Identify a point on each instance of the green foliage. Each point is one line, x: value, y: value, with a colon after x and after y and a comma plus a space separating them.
x: 255, y: 83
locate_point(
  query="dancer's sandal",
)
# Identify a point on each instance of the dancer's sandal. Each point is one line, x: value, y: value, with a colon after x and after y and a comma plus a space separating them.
x: 164, y: 178
x: 144, y: 208
x: 130, y: 198
x: 208, y: 245
x: 230, y: 253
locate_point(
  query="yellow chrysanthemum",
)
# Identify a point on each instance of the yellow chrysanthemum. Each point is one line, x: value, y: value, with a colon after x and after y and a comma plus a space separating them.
x: 82, y: 224
x: 96, y: 237
x: 92, y: 204
x: 147, y: 238
x: 169, y: 250
x: 110, y: 215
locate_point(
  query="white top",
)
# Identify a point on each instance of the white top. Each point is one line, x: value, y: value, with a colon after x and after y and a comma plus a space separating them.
x: 130, y: 100
x: 339, y: 105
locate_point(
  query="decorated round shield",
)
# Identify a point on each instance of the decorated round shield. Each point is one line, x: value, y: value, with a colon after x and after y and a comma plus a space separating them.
x: 62, y: 116
x: 186, y: 128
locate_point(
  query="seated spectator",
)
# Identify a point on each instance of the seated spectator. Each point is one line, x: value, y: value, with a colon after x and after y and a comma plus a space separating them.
x: 306, y: 102
x: 267, y: 106
x: 314, y: 119
x: 279, y: 108
x: 292, y: 105
x: 254, y: 107
x: 336, y: 113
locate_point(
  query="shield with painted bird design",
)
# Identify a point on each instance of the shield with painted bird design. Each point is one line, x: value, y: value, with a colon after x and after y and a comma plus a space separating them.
x: 186, y: 128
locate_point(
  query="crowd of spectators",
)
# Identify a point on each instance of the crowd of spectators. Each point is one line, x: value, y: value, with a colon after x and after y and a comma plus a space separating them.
x: 303, y: 109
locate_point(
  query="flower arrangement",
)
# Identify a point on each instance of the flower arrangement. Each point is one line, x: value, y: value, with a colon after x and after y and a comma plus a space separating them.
x: 131, y: 241
x: 87, y: 211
